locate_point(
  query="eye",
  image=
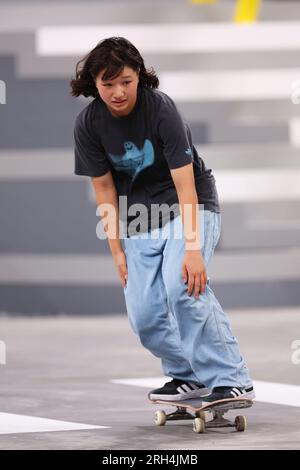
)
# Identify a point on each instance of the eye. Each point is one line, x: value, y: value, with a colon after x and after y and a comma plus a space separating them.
x: 127, y: 82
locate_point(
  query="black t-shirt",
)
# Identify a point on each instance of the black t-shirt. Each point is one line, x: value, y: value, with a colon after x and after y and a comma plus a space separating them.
x: 140, y: 149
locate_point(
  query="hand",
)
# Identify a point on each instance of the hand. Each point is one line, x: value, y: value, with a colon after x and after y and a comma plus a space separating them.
x: 194, y: 272
x: 120, y: 260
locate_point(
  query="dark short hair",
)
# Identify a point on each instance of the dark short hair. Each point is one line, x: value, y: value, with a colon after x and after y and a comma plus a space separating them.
x: 112, y: 54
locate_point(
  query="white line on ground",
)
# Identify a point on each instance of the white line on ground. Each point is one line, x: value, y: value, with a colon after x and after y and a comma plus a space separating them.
x: 267, y: 392
x: 14, y: 423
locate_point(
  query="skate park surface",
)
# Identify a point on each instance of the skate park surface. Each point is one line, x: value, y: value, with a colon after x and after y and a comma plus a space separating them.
x: 82, y: 383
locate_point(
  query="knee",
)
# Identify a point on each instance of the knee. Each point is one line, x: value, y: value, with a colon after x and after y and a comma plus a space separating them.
x: 141, y: 323
x: 147, y: 337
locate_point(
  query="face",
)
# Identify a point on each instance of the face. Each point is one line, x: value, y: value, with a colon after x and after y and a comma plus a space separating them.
x: 119, y: 94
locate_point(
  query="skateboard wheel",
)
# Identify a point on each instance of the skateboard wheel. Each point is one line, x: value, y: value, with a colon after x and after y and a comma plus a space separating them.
x: 160, y: 418
x: 240, y: 423
x: 199, y: 425
x: 202, y: 415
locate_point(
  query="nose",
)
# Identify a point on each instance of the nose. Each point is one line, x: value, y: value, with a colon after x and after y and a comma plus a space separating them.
x: 119, y: 93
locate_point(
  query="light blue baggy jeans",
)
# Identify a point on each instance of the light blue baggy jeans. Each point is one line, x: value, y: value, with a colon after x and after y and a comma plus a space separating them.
x: 192, y: 337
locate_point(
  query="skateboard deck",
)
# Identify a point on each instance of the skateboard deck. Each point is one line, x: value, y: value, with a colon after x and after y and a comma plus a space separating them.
x: 205, y: 415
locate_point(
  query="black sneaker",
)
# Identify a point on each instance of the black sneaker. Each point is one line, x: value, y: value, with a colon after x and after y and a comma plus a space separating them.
x: 221, y: 393
x: 178, y: 390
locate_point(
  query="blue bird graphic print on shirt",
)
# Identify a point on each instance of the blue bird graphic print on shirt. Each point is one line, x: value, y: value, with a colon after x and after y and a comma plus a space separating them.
x: 134, y: 160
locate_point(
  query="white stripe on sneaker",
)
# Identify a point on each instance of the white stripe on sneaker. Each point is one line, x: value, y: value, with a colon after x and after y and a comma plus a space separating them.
x: 193, y: 386
x: 238, y: 392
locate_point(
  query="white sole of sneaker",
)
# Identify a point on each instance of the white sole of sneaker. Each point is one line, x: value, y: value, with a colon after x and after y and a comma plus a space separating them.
x: 249, y: 395
x: 203, y: 392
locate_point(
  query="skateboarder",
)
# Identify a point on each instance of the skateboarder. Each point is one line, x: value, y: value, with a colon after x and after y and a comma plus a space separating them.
x: 133, y: 142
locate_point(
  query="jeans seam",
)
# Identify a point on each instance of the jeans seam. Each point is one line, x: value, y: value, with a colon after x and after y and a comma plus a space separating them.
x: 219, y: 327
x: 221, y: 334
x: 216, y: 239
x: 225, y: 346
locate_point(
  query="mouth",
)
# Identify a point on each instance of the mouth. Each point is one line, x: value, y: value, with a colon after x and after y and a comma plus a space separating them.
x: 119, y: 102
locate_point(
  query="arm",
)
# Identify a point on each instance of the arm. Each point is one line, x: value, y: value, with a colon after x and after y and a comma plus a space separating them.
x: 90, y: 160
x: 185, y: 186
x: 193, y: 268
x: 177, y: 145
x: 106, y: 193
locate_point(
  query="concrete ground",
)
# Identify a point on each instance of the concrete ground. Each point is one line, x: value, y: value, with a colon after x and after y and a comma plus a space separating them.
x: 62, y: 368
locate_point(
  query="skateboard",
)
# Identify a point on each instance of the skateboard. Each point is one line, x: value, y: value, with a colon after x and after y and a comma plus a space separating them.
x: 207, y: 415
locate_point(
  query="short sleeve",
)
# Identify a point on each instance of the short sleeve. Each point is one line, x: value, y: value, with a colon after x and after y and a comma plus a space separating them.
x: 90, y: 158
x: 173, y: 134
